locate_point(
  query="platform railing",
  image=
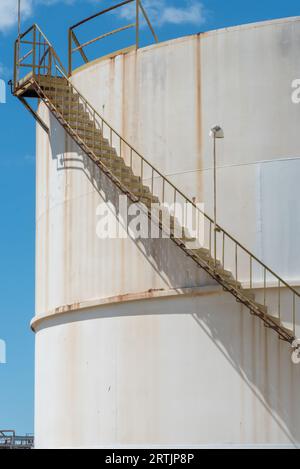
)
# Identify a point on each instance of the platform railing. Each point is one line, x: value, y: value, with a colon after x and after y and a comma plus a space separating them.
x: 9, y: 440
x: 76, y: 46
x: 34, y: 56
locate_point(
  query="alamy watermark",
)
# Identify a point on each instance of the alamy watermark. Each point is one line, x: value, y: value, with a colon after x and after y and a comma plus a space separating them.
x: 132, y: 220
x: 2, y: 352
x: 296, y: 91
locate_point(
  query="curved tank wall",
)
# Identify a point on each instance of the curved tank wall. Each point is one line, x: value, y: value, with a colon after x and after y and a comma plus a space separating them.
x: 134, y: 345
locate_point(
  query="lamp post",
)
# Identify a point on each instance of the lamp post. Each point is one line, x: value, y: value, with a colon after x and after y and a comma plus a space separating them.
x: 216, y: 133
x: 17, y: 58
x: 19, y: 18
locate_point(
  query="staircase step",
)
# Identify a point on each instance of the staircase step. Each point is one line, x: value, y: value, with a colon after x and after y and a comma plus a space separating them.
x: 148, y: 201
x: 51, y: 79
x: 130, y: 179
x: 111, y: 159
x: 118, y: 164
x: 68, y: 108
x: 137, y: 190
x: 111, y: 164
x: 57, y: 86
x: 80, y: 123
x: 64, y: 98
x: 176, y: 230
x: 108, y: 153
x: 93, y: 137
x: 225, y: 273
x: 186, y: 238
x: 61, y: 93
x: 96, y: 143
x: 74, y: 110
x: 248, y: 294
x: 54, y: 84
x: 202, y: 252
x: 261, y: 307
x: 84, y: 131
x: 74, y: 117
x: 232, y: 282
x: 277, y: 321
x: 122, y: 176
x: 90, y: 135
x: 100, y: 141
x: 189, y: 239
x: 215, y: 263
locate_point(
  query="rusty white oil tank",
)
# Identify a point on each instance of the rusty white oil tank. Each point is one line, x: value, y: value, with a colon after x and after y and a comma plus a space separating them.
x: 134, y: 344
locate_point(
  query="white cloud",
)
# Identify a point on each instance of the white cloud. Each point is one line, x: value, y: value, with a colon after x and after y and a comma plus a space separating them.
x: 4, y: 71
x: 159, y: 11
x: 8, y: 10
x: 163, y: 12
x: 192, y: 14
x: 52, y: 2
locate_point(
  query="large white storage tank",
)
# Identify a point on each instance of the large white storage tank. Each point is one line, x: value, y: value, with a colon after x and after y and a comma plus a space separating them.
x: 134, y: 344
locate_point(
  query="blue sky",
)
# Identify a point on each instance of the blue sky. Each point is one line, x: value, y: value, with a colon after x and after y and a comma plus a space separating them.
x: 171, y: 18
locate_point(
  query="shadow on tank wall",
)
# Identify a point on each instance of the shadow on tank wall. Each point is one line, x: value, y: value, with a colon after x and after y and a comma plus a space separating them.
x: 173, y: 266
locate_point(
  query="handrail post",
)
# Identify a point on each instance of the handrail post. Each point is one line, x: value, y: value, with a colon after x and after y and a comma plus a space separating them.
x: 137, y: 40
x: 34, y: 50
x: 148, y: 22
x: 294, y: 314
x: 50, y: 61
x: 19, y: 40
x: 70, y: 53
x: 16, y: 64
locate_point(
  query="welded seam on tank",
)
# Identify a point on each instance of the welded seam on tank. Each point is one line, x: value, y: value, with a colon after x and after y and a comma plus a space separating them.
x: 129, y: 298
x: 231, y: 165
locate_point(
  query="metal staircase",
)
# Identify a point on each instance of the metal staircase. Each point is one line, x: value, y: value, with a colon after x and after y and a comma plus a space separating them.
x: 221, y: 255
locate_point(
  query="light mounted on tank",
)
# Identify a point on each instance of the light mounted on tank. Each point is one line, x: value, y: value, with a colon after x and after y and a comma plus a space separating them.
x: 217, y: 132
